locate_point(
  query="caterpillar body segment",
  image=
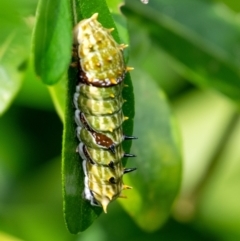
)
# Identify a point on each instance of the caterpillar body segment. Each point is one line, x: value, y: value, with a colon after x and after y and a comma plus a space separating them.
x: 98, y: 115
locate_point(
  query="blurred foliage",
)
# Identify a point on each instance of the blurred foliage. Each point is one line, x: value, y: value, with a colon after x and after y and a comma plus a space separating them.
x: 186, y: 55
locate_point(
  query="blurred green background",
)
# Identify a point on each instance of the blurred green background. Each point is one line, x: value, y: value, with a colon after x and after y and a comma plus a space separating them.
x: 187, y: 49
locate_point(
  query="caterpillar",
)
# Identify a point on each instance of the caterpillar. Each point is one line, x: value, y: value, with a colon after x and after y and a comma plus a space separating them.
x: 98, y: 111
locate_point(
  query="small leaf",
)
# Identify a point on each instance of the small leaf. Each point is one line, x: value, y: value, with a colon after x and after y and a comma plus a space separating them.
x: 79, y: 213
x: 157, y: 179
x: 52, y: 40
x: 59, y: 100
x: 8, y: 237
x: 14, y: 51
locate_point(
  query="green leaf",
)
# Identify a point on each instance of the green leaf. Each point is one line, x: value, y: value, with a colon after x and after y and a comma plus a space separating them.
x: 194, y: 40
x: 58, y: 98
x: 14, y: 51
x: 52, y: 40
x: 79, y: 214
x: 157, y: 180
x: 8, y: 237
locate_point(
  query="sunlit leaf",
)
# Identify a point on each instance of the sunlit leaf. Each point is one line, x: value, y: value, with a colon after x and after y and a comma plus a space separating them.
x: 14, y: 51
x: 7, y: 237
x: 59, y: 99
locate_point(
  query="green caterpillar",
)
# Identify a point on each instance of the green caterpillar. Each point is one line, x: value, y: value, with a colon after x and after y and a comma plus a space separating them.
x: 99, y: 117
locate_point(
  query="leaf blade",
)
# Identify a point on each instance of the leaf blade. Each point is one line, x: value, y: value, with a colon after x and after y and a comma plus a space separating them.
x: 14, y: 52
x: 79, y: 214
x: 52, y: 40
